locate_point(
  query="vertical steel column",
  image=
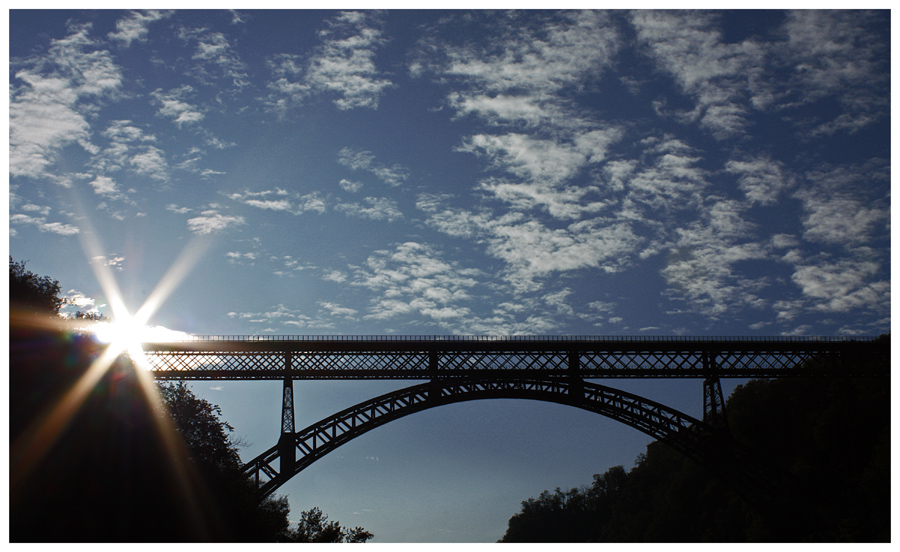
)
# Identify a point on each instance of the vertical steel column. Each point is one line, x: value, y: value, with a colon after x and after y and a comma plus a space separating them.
x: 576, y: 384
x: 286, y: 449
x: 713, y: 401
x: 434, y: 391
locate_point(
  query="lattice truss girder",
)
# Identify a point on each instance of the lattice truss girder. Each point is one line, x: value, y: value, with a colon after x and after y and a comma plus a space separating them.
x: 318, y: 439
x: 194, y: 361
x: 424, y: 364
x: 673, y: 363
x: 487, y: 360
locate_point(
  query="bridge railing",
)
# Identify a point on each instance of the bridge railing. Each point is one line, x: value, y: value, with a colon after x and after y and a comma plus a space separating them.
x: 520, y: 338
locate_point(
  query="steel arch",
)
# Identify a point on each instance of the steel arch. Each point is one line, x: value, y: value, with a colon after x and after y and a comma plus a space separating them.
x: 699, y: 441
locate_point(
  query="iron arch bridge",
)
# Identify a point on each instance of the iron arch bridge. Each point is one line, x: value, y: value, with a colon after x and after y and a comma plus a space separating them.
x: 553, y: 369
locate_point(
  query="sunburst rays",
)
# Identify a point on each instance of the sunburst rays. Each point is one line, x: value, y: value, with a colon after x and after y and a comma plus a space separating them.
x: 38, y: 438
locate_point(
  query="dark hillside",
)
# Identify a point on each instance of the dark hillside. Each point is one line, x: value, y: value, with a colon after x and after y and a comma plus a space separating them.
x: 98, y: 454
x: 831, y: 436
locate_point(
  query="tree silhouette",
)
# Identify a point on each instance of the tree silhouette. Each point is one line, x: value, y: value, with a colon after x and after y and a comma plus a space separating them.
x: 32, y: 293
x: 203, y: 432
x: 106, y: 472
x: 315, y: 527
x: 831, y: 436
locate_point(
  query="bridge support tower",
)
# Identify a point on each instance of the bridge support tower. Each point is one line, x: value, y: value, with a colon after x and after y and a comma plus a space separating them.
x: 287, y: 449
x: 713, y: 400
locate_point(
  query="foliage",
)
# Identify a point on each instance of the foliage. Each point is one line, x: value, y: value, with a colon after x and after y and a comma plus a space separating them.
x: 240, y: 512
x: 203, y: 432
x: 106, y: 472
x: 315, y: 527
x: 832, y: 436
x: 31, y: 292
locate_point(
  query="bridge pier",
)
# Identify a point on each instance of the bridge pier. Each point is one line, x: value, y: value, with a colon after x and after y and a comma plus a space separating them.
x: 576, y: 383
x: 713, y: 400
x: 287, y: 450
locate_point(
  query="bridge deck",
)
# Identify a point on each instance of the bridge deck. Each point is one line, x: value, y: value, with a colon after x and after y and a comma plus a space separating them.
x: 586, y: 357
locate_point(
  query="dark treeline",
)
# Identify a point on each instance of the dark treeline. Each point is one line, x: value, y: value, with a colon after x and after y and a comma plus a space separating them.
x: 111, y: 468
x: 832, y: 436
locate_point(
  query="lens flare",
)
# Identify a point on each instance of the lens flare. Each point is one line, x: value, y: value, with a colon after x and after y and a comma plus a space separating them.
x: 123, y: 334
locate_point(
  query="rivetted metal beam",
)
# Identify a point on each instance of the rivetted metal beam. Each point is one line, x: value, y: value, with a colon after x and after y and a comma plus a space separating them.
x: 428, y: 357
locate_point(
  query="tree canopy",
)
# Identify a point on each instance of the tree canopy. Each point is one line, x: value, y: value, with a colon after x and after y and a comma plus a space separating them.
x: 108, y: 471
x: 315, y: 527
x: 831, y: 436
x: 33, y: 293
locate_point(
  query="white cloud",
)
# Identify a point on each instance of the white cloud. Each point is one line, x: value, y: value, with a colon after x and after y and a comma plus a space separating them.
x: 335, y: 276
x: 238, y: 258
x: 115, y: 262
x: 350, y: 185
x: 558, y: 300
x: 130, y: 149
x: 79, y: 299
x: 716, y: 74
x: 105, y: 186
x: 335, y: 309
x: 672, y: 179
x: 839, y: 220
x: 532, y: 251
x: 761, y: 179
x: 136, y: 26
x: 150, y: 162
x: 379, y: 208
x: 43, y: 210
x: 44, y: 226
x: 282, y: 202
x: 273, y: 204
x: 827, y: 53
x: 431, y: 202
x: 343, y: 64
x: 844, y: 204
x: 844, y: 285
x: 701, y: 267
x: 212, y: 221
x: 176, y: 209
x: 124, y: 131
x: 567, y: 203
x: 311, y: 202
x: 358, y: 159
x: 545, y: 166
x: 517, y: 79
x: 46, y: 111
x: 207, y: 173
x: 215, y: 54
x: 172, y: 104
x: 284, y: 316
x: 527, y: 157
x: 459, y: 223
x: 837, y: 53
x: 555, y: 53
x: 413, y: 279
x: 41, y: 122
x: 530, y: 110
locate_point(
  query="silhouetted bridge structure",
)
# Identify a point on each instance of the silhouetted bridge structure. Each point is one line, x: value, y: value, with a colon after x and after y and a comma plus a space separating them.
x: 553, y: 369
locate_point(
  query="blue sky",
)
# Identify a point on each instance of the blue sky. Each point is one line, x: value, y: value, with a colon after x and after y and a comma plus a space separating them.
x: 457, y: 172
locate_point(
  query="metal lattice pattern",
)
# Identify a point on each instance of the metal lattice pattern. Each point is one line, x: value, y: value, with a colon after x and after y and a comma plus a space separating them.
x: 534, y: 358
x: 484, y: 361
x: 648, y: 362
x: 197, y: 365
x: 767, y: 362
x: 375, y: 362
x: 321, y: 438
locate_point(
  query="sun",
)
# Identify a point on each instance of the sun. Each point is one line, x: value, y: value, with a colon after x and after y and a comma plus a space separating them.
x: 123, y: 335
x: 126, y: 334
